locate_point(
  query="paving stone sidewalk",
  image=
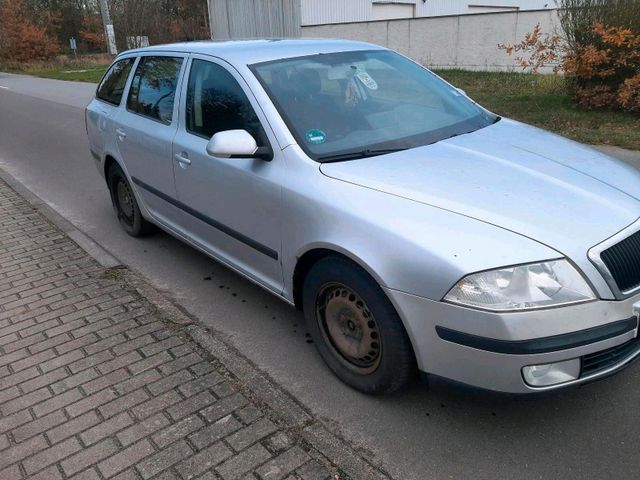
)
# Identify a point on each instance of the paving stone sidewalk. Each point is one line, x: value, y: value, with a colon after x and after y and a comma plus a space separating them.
x: 98, y: 382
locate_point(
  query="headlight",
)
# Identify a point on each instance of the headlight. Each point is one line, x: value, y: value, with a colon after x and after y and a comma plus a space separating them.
x: 523, y: 287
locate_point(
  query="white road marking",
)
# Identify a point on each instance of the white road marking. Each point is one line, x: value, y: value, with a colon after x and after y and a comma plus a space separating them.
x: 3, y: 87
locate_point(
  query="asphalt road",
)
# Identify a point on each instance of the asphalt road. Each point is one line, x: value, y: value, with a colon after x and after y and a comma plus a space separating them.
x: 436, y: 433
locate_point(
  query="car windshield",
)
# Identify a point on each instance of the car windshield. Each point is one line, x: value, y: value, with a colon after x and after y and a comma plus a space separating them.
x: 347, y: 105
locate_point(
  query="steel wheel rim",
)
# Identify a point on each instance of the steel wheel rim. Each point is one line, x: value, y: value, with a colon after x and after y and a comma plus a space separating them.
x: 349, y: 328
x: 125, y: 201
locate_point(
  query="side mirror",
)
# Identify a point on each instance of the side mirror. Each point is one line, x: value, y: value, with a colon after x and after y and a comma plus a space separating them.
x: 236, y: 143
x: 462, y: 92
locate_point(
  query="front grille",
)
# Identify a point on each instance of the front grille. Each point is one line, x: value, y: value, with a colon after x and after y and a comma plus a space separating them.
x: 623, y: 262
x: 599, y: 361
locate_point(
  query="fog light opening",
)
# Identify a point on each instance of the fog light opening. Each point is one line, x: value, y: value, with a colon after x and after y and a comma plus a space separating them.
x: 549, y: 374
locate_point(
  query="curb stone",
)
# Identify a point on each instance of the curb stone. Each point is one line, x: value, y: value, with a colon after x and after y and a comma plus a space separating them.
x: 97, y: 252
x: 291, y: 414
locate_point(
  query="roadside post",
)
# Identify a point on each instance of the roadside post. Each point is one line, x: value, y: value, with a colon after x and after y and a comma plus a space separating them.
x: 74, y: 46
x: 108, y: 28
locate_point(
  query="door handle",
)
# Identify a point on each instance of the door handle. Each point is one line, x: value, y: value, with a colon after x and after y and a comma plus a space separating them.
x: 121, y: 134
x: 182, y: 158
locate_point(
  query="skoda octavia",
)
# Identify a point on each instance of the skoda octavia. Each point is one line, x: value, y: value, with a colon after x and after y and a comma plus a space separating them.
x: 415, y: 229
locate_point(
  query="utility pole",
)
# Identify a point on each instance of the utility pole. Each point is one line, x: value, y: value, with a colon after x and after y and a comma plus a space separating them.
x: 108, y: 28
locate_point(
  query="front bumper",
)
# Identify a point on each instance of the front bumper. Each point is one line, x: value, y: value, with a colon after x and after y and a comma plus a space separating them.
x: 488, y: 349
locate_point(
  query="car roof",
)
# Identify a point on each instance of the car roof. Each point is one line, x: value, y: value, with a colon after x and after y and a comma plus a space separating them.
x: 247, y: 52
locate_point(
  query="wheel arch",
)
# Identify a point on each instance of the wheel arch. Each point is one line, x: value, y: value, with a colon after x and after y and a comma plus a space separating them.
x: 109, y: 160
x: 307, y: 259
x: 312, y: 256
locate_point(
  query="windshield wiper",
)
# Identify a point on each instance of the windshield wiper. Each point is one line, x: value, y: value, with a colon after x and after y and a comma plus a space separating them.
x: 367, y: 152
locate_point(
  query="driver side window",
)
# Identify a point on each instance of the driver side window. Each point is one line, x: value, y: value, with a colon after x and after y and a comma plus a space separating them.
x: 216, y: 102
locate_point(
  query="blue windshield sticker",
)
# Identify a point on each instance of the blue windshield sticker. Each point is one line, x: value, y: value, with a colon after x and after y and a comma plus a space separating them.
x: 316, y: 137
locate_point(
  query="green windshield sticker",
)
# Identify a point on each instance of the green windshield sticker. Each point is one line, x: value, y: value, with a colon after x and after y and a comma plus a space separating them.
x: 316, y: 137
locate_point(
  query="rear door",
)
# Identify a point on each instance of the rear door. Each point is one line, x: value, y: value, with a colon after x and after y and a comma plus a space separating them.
x: 102, y: 112
x: 146, y: 129
x: 231, y: 207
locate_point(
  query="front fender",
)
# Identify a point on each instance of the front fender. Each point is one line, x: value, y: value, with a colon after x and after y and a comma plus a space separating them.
x: 405, y: 245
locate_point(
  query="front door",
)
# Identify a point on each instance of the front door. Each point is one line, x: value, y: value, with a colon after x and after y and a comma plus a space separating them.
x: 231, y: 207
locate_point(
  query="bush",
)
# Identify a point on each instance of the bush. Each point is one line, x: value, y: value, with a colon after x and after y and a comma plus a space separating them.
x: 20, y: 39
x: 537, y: 51
x: 606, y: 72
x: 599, y: 53
x: 577, y: 18
x: 602, y: 61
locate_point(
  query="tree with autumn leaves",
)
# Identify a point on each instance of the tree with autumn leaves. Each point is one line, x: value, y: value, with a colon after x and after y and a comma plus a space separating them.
x: 21, y: 39
x: 40, y: 29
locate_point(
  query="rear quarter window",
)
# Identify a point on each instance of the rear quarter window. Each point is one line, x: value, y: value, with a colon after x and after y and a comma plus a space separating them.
x: 112, y: 86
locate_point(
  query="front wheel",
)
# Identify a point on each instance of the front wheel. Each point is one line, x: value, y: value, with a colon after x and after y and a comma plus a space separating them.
x: 356, y: 328
x: 125, y: 203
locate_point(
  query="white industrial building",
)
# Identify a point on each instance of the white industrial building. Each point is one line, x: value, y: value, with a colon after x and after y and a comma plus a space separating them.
x: 323, y: 12
x: 439, y: 33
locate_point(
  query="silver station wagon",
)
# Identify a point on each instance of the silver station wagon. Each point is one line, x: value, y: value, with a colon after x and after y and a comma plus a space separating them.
x: 415, y: 229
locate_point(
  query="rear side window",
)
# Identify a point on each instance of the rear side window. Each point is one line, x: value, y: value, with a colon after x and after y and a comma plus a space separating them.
x: 153, y: 88
x: 112, y: 86
x: 216, y: 102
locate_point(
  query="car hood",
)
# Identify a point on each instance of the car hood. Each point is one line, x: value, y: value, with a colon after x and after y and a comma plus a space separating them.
x: 517, y: 177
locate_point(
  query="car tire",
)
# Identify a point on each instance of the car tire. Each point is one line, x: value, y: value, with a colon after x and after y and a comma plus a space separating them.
x: 125, y: 203
x: 355, y: 328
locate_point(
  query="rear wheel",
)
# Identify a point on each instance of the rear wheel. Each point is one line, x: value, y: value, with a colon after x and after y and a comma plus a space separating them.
x: 356, y: 328
x: 125, y: 203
